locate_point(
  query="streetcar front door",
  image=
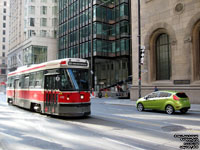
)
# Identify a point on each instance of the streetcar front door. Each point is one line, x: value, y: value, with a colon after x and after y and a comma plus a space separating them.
x: 51, y: 96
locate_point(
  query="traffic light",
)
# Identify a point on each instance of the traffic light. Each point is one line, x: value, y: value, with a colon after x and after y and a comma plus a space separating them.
x: 142, y: 52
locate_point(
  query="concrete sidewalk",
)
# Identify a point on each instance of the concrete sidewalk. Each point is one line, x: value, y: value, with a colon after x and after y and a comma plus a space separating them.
x: 115, y: 101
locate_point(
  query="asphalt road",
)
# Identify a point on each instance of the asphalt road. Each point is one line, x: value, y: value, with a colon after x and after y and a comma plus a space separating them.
x: 110, y: 127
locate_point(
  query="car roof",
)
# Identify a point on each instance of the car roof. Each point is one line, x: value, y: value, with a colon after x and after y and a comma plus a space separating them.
x: 172, y: 92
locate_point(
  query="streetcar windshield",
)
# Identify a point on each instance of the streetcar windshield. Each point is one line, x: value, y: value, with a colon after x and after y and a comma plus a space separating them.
x: 81, y: 78
x: 75, y: 79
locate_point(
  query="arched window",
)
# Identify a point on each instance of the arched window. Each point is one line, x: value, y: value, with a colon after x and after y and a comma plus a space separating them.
x: 198, y: 63
x: 196, y: 51
x: 163, y: 62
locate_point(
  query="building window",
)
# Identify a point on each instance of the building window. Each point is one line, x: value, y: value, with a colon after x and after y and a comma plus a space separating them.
x: 54, y: 22
x: 32, y: 22
x: 123, y: 10
x: 43, y: 22
x: 4, y: 39
x: 3, y: 47
x: 31, y: 10
x: 163, y: 64
x: 4, y: 17
x: 4, y: 10
x: 4, y: 25
x: 44, y: 1
x: 54, y: 10
x: 199, y: 55
x: 3, y: 54
x: 4, y: 32
x: 5, y: 3
x: 4, y: 61
x: 31, y: 33
x: 35, y: 55
x: 3, y: 71
x: 43, y: 10
x: 196, y: 51
x: 43, y: 33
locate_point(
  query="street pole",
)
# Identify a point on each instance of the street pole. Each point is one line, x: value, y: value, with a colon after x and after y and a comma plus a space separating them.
x: 91, y: 53
x: 139, y: 49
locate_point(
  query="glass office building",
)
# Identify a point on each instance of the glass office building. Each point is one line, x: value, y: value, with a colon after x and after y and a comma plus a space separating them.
x: 99, y: 29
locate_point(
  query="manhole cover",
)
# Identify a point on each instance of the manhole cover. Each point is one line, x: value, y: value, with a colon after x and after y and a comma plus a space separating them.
x: 173, y: 128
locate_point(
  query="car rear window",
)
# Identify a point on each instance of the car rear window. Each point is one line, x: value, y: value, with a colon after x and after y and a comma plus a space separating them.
x: 181, y: 95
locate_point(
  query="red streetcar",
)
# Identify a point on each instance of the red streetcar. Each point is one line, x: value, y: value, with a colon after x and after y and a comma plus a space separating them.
x: 59, y: 87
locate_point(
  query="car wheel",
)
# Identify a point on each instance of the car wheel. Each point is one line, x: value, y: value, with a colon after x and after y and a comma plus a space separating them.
x: 140, y: 107
x: 169, y: 109
x: 184, y: 110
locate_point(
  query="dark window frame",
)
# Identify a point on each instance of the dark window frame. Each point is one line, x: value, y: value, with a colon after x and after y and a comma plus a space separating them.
x: 163, y: 72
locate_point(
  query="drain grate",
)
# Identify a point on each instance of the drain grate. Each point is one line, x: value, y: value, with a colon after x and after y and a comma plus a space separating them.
x: 173, y: 128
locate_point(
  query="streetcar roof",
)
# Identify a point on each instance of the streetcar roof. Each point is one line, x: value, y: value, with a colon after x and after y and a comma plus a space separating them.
x: 60, y: 63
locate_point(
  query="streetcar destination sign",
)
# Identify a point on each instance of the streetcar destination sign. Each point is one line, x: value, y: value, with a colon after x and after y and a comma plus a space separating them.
x: 77, y: 63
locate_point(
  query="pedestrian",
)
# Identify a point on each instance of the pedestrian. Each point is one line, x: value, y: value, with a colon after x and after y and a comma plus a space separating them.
x: 155, y: 89
x: 100, y: 94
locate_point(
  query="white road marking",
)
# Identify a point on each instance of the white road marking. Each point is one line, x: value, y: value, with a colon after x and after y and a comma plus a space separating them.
x: 122, y: 143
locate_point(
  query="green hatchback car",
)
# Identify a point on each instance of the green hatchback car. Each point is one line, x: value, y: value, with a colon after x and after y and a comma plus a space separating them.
x: 168, y: 101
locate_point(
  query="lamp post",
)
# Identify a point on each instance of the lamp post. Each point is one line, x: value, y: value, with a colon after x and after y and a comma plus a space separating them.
x: 139, y: 51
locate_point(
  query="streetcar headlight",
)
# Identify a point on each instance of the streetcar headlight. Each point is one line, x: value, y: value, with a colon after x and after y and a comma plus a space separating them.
x: 67, y: 98
x: 82, y: 96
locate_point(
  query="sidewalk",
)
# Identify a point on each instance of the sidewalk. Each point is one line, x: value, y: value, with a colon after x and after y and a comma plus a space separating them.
x: 128, y: 102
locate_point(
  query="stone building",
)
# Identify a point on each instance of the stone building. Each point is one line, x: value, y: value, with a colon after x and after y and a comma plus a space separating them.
x: 170, y: 31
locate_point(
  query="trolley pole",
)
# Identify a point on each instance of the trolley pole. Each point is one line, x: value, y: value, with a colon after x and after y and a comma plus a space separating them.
x: 139, y: 51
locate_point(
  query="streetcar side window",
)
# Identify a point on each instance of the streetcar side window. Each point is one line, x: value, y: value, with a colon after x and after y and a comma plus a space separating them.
x: 39, y: 79
x: 26, y: 82
x: 21, y: 81
x: 31, y: 79
x: 9, y: 82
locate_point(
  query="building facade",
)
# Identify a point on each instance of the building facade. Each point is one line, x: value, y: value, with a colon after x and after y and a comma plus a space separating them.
x: 33, y: 32
x: 170, y: 31
x: 4, y: 34
x: 97, y: 30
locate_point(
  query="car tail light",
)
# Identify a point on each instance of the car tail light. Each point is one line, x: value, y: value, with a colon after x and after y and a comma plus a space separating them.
x: 176, y: 98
